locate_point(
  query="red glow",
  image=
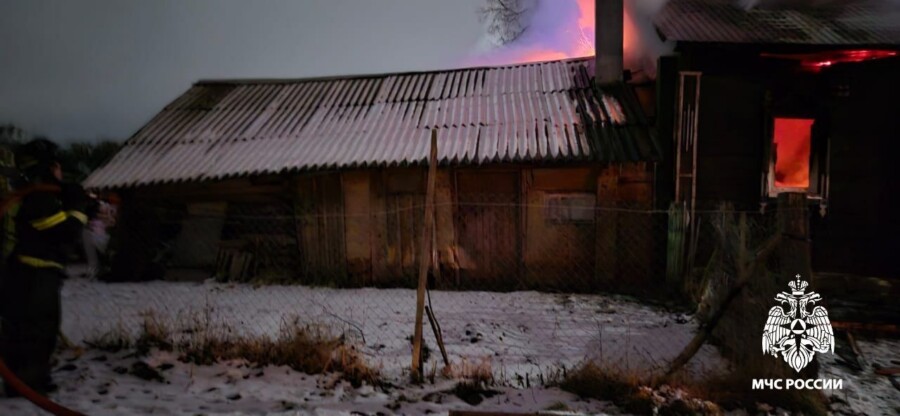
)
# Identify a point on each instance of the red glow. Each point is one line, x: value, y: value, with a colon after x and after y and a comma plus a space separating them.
x: 818, y: 60
x: 792, y: 147
x: 539, y: 55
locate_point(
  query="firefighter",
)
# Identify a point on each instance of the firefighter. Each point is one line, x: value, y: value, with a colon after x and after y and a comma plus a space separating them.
x: 47, y: 219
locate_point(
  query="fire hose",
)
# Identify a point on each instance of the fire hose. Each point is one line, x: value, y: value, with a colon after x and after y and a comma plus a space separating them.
x: 8, y: 376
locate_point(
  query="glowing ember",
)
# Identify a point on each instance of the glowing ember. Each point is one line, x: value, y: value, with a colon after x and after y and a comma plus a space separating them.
x: 792, y: 146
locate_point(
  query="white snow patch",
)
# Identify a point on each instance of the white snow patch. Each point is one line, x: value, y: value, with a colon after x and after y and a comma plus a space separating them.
x: 95, y: 388
x: 523, y: 334
x: 864, y: 392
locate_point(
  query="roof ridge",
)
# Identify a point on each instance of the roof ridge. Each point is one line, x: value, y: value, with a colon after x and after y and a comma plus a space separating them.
x: 276, y: 80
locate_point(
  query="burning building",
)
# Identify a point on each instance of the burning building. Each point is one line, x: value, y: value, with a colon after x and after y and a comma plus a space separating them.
x: 322, y: 180
x: 766, y: 97
x: 756, y: 99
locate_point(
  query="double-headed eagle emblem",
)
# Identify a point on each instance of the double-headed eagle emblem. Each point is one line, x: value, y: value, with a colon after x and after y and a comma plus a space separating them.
x: 798, y: 333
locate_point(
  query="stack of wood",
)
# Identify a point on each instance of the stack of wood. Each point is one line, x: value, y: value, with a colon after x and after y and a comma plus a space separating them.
x: 234, y: 262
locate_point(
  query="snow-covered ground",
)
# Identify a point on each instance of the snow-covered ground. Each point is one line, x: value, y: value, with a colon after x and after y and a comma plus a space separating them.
x: 522, y: 334
x: 864, y: 392
x: 94, y: 385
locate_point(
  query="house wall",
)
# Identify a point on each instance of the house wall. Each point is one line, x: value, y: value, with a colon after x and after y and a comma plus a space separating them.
x: 358, y: 225
x: 730, y: 145
x: 854, y: 105
x: 493, y: 226
x: 383, y: 227
x: 859, y: 233
x: 172, y: 215
x: 489, y: 227
x: 556, y: 250
x: 319, y: 220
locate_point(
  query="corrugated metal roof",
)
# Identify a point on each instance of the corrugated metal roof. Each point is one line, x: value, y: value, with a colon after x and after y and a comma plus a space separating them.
x: 851, y: 22
x: 531, y: 112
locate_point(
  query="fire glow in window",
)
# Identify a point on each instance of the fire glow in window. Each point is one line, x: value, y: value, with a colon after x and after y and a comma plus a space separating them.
x: 792, y: 147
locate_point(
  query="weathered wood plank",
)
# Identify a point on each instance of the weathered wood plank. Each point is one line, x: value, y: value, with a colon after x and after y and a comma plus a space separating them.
x: 424, y: 259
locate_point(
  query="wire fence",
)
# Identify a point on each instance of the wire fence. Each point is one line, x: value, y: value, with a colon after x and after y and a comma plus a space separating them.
x: 528, y: 291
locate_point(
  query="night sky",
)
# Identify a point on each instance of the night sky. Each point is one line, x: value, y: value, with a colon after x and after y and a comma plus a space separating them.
x: 92, y: 69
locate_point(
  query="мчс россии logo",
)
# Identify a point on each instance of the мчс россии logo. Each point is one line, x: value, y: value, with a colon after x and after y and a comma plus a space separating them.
x: 798, y: 333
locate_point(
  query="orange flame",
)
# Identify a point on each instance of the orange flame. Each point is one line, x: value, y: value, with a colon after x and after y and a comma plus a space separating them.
x: 586, y: 26
x: 792, y: 147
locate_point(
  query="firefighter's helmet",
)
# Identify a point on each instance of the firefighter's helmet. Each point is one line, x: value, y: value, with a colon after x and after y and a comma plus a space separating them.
x: 36, y: 157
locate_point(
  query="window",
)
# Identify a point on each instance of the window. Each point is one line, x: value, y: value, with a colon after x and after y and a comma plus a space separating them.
x: 569, y: 208
x: 791, y: 167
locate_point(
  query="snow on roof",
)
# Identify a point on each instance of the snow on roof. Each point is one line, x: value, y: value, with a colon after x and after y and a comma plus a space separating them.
x: 545, y: 111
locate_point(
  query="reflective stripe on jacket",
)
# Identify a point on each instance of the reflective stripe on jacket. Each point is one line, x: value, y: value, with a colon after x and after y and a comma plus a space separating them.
x: 43, y: 229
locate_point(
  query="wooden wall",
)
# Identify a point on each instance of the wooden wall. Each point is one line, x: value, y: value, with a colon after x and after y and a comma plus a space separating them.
x: 488, y: 227
x: 859, y: 234
x: 384, y: 217
x: 491, y: 226
x: 364, y: 227
x: 320, y: 219
x: 855, y: 106
x: 357, y: 193
x: 630, y: 248
x: 558, y: 254
x: 730, y: 142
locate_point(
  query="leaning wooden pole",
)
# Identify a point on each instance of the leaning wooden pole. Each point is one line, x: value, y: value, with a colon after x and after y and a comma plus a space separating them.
x: 424, y: 260
x: 747, y: 265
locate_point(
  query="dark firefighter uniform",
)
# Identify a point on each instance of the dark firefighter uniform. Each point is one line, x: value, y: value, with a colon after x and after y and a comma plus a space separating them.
x: 44, y: 223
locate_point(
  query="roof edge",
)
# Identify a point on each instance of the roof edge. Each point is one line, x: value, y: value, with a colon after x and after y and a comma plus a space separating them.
x: 378, y: 75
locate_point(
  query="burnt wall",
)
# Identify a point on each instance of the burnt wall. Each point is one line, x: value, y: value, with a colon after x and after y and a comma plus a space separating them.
x: 860, y: 233
x: 730, y: 142
x: 855, y: 108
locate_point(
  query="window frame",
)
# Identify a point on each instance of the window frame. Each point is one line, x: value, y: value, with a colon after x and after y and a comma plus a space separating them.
x: 814, y: 190
x: 550, y: 213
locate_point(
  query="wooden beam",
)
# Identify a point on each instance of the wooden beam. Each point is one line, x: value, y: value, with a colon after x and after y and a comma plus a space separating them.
x: 424, y: 259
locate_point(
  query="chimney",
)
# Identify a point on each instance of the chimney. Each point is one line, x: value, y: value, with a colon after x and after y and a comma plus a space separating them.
x: 608, y: 40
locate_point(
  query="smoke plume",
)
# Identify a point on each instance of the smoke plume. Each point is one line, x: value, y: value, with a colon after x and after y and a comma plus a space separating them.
x: 558, y: 29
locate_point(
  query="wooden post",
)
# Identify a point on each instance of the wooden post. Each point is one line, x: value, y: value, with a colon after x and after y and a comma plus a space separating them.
x: 424, y: 259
